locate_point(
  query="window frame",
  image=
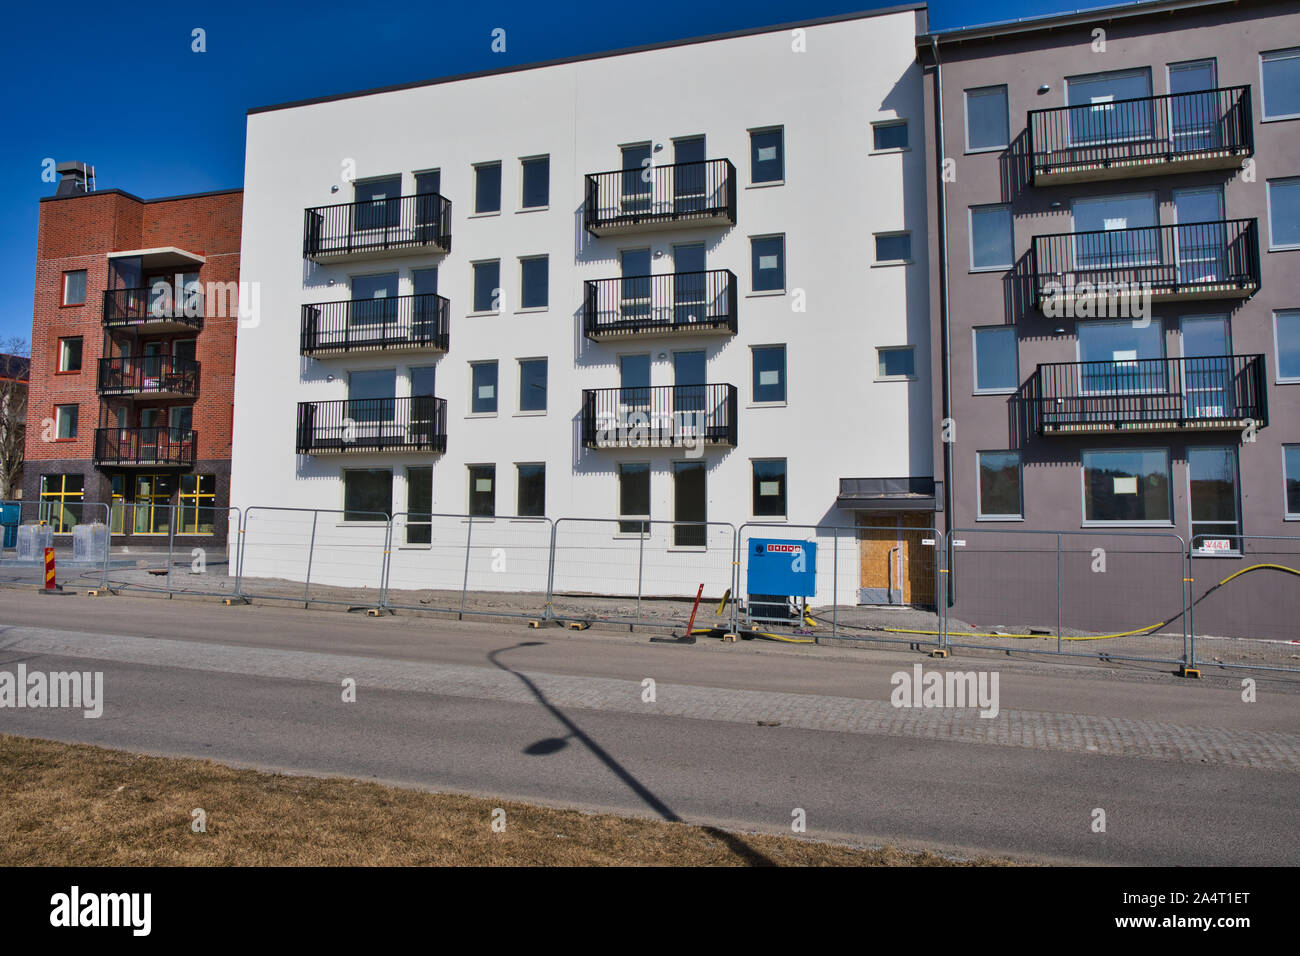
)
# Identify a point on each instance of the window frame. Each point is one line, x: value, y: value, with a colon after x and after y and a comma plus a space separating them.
x: 81, y: 355
x: 524, y: 162
x: 420, y: 524
x: 1278, y: 378
x: 624, y: 518
x: 1087, y: 522
x: 965, y: 116
x: 474, y: 272
x: 753, y: 271
x: 780, y: 131
x: 975, y: 360
x: 884, y: 124
x: 979, y: 489
x: 76, y: 423
x: 1268, y: 198
x: 877, y: 262
x: 1287, y: 514
x: 343, y: 494
x: 523, y: 306
x: 63, y: 289
x: 496, y: 389
x: 1235, y: 552
x: 519, y: 486
x: 1263, y: 100
x: 470, y: 482
x: 784, y: 493
x: 754, y: 401
x: 519, y: 409
x: 501, y: 179
x: 880, y: 374
x: 970, y: 236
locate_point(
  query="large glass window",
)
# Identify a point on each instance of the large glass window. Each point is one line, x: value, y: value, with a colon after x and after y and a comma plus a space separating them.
x: 1000, y: 494
x: 1113, y: 231
x: 991, y: 243
x: 1284, y: 213
x: 987, y: 122
x: 766, y: 155
x: 1119, y: 106
x: 537, y: 181
x: 483, y: 385
x: 997, y: 364
x: 690, y: 504
x: 487, y: 188
x: 532, y: 385
x: 74, y: 287
x: 1286, y: 330
x: 1115, y: 355
x: 372, y: 395
x: 636, y: 179
x: 1279, y: 72
x: 1212, y: 493
x: 769, y: 499
x: 374, y: 299
x: 769, y: 373
x: 482, y: 490
x: 531, y: 491
x: 487, y: 286
x: 419, y: 504
x: 61, y: 498
x: 152, y: 504
x: 634, y: 497
x: 768, y: 254
x: 533, y: 279
x: 367, y: 494
x: 196, y: 503
x: 1130, y: 486
x: 378, y: 203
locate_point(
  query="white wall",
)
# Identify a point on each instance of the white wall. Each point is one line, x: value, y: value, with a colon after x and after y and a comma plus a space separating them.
x: 838, y: 422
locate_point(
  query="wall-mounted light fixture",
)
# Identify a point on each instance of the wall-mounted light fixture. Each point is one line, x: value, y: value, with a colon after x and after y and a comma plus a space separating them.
x: 1045, y: 88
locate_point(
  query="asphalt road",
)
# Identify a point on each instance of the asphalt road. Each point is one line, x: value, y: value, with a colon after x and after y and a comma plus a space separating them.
x: 1186, y: 772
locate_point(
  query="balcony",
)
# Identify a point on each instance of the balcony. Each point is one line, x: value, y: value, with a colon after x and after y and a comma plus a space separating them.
x: 1143, y: 395
x: 372, y: 425
x: 376, y: 228
x: 149, y: 310
x: 679, y: 304
x: 683, y: 194
x: 1204, y: 260
x: 1148, y: 136
x: 157, y: 376
x: 155, y: 447
x: 404, y: 323
x: 665, y: 416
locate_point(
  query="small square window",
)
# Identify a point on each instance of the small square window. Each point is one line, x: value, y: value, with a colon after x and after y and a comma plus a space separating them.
x: 766, y: 155
x: 534, y: 290
x: 367, y: 494
x: 1284, y: 213
x: 537, y: 182
x: 991, y: 243
x: 896, y: 362
x: 997, y: 364
x: 532, y: 491
x: 74, y: 287
x: 1286, y: 332
x: 1000, y: 494
x: 487, y: 286
x: 889, y: 135
x: 769, y: 373
x: 769, y: 488
x: 65, y: 421
x: 532, y: 385
x: 1279, y: 74
x: 893, y: 248
x: 483, y: 382
x: 768, y: 253
x: 988, y: 124
x: 482, y: 490
x: 70, y: 354
x: 487, y: 188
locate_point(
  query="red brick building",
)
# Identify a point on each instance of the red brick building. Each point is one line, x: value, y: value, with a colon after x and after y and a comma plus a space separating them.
x: 133, y: 359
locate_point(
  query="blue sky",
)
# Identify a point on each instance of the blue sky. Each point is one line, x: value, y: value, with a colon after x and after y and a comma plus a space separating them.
x: 117, y: 86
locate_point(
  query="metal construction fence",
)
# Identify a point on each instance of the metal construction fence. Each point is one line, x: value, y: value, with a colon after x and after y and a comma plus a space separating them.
x: 1217, y: 601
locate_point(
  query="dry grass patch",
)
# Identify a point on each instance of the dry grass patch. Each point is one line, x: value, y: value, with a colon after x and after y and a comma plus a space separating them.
x: 73, y: 804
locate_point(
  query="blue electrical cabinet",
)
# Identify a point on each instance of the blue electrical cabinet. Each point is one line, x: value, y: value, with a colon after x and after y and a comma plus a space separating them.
x: 783, y: 567
x: 10, y: 517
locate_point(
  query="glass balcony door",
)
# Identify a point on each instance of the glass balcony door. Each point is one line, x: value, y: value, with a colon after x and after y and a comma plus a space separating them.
x: 1194, y: 121
x: 1202, y: 242
x: 1207, y: 367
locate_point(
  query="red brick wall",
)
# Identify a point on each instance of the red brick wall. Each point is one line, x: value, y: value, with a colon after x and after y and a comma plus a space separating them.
x: 76, y: 233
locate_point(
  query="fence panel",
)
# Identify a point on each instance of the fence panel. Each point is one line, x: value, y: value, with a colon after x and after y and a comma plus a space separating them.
x: 316, y: 556
x: 464, y: 564
x: 1108, y: 594
x: 640, y: 572
x: 76, y: 530
x: 173, y: 549
x: 1245, y: 601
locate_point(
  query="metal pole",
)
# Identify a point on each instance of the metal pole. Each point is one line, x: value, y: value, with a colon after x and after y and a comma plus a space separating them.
x: 835, y: 580
x: 1058, y: 593
x: 311, y: 548
x: 640, y: 565
x: 239, y: 553
x: 464, y: 586
x: 384, y: 568
x: 1189, y: 602
x: 550, y: 573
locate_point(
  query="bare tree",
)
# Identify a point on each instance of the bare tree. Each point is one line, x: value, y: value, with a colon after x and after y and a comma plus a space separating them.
x: 13, y: 413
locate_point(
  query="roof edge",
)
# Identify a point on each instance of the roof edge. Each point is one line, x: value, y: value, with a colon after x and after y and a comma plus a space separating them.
x: 1079, y: 17
x: 122, y: 192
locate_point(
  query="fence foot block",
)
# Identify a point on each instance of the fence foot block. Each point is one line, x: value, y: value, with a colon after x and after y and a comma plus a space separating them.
x: 231, y: 602
x: 378, y: 611
x: 536, y: 622
x: 1186, y: 671
x: 100, y: 592
x: 731, y: 636
x: 578, y: 625
x: 939, y: 652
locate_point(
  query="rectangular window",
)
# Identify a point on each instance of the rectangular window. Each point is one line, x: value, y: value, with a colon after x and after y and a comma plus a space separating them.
x: 374, y: 301
x: 769, y: 373
x: 196, y: 504
x: 766, y: 155
x: 987, y: 122
x: 893, y: 248
x: 889, y: 135
x: 769, y: 488
x: 482, y: 490
x: 378, y: 204
x: 372, y: 396
x: 635, y: 179
x: 1212, y: 497
x: 690, y: 504
x: 768, y: 254
x: 997, y: 361
x: 61, y: 498
x: 1130, y: 486
x: 1000, y: 494
x: 70, y: 354
x: 534, y: 290
x: 1284, y: 213
x: 1115, y: 356
x: 487, y: 188
x: 531, y: 491
x: 1109, y: 118
x: 487, y: 286
x: 1279, y: 78
x: 483, y: 385
x: 532, y: 385
x: 896, y: 362
x: 1291, y: 480
x: 537, y: 182
x: 419, y: 504
x: 65, y: 421
x: 74, y: 287
x: 992, y: 245
x: 367, y: 494
x: 1286, y: 334
x: 151, y: 505
x: 633, y: 498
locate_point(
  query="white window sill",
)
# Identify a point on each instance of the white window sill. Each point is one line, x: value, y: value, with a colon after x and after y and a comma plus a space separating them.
x: 1127, y: 524
x: 474, y: 315
x: 1280, y: 119
x: 768, y: 519
x: 892, y: 263
x: 361, y: 524
x: 532, y: 209
x: 987, y: 149
x: 415, y: 547
x: 1217, y: 554
x: 481, y: 415
x: 894, y: 378
x: 531, y: 414
x: 532, y: 309
x: 976, y: 270
x: 765, y: 292
x: 1283, y: 248
x: 767, y: 405
x: 483, y: 215
x: 995, y: 391
x: 775, y: 182
x: 886, y: 152
x: 1009, y: 518
x: 687, y: 550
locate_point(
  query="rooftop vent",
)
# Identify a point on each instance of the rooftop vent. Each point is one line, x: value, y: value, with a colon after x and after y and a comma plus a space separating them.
x: 75, y: 179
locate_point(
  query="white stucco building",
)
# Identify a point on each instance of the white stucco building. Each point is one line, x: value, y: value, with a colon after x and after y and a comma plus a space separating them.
x: 723, y: 328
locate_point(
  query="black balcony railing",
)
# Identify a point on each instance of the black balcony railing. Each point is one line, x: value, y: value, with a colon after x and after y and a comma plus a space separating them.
x: 364, y: 325
x: 159, y: 445
x: 149, y: 374
x: 418, y: 423
x: 1221, y: 391
x: 152, y: 306
x: 1203, y: 258
x: 659, y: 416
x: 416, y: 222
x: 700, y: 192
x: 1145, y: 130
x: 677, y: 302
